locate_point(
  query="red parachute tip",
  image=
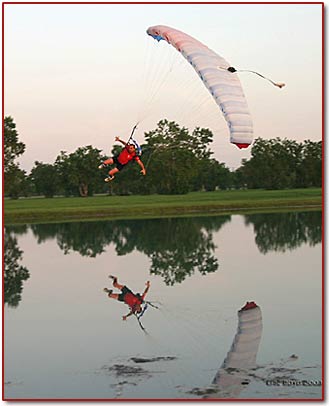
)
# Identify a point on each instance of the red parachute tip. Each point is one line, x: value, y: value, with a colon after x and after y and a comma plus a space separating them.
x: 239, y: 145
x: 248, y: 306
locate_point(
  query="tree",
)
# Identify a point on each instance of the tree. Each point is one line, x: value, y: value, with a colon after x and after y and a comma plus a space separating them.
x: 13, y: 176
x: 62, y: 165
x: 15, y: 182
x: 274, y: 164
x: 12, y: 147
x: 213, y: 175
x: 78, y: 171
x: 310, y: 171
x: 175, y: 156
x: 45, y: 179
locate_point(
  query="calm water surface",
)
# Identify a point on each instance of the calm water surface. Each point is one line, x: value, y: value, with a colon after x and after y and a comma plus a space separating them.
x: 64, y: 338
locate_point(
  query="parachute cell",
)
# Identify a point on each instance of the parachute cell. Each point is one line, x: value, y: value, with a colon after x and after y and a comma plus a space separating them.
x: 218, y: 77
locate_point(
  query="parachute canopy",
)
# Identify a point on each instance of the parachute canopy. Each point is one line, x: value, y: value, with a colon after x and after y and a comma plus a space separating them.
x: 223, y: 84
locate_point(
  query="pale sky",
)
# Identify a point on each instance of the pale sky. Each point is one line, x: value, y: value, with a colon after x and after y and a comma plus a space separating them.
x: 82, y: 74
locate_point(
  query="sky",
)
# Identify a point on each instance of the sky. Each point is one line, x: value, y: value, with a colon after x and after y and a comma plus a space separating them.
x: 82, y: 74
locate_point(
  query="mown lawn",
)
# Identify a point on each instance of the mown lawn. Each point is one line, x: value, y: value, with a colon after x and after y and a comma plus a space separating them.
x: 91, y: 208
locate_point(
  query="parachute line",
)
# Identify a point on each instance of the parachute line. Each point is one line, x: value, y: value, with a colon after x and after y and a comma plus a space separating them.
x: 278, y: 84
x: 160, y: 66
x: 233, y: 70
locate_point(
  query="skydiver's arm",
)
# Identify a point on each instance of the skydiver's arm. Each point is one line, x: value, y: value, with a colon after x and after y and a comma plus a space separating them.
x: 129, y: 314
x: 146, y: 289
x: 140, y: 163
x: 122, y: 142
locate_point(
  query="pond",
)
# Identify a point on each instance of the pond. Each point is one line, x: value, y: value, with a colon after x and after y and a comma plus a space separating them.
x: 64, y: 338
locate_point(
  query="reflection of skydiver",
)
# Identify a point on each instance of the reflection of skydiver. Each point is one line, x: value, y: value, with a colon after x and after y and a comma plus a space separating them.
x: 134, y: 301
x: 127, y: 154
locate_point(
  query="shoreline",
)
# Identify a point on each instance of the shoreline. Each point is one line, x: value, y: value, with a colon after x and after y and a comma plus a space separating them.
x: 61, y: 209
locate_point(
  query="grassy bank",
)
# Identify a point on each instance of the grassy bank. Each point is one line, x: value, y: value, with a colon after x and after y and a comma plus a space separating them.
x: 109, y: 207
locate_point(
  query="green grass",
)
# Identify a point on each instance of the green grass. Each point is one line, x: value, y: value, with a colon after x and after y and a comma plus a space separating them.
x: 91, y: 208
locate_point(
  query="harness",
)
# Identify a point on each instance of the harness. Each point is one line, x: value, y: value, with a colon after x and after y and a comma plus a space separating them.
x: 142, y: 312
x: 134, y: 142
x: 147, y: 304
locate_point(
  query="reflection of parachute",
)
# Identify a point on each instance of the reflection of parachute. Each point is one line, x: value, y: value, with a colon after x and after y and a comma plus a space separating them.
x: 233, y: 374
x: 222, y: 83
x: 244, y: 348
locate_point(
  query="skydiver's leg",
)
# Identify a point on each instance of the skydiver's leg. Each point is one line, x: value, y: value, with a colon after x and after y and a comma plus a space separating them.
x: 111, y: 174
x: 110, y: 294
x: 117, y: 285
x: 113, y: 171
x: 109, y: 161
x: 115, y: 282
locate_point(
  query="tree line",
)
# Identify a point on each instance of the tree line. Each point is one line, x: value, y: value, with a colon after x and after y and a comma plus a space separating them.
x: 177, y: 160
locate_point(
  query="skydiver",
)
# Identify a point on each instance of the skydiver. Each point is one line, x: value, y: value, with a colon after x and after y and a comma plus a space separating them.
x: 134, y: 301
x: 127, y: 154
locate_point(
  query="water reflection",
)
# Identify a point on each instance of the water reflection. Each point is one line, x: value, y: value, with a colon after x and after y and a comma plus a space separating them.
x: 172, y: 243
x: 14, y: 273
x: 239, y: 367
x: 285, y: 231
x: 234, y: 373
x: 177, y: 247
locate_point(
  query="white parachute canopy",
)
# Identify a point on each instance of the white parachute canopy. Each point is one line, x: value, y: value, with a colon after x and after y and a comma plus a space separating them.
x: 222, y: 82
